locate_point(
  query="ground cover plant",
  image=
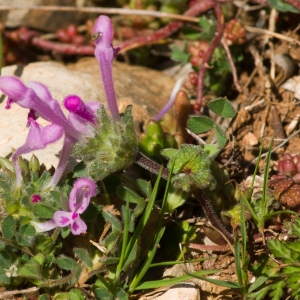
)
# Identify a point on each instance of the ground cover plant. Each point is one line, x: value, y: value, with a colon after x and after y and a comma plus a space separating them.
x: 94, y: 232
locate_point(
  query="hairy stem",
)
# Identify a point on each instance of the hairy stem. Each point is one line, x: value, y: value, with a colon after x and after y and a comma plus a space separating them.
x: 211, y: 214
x: 150, y: 165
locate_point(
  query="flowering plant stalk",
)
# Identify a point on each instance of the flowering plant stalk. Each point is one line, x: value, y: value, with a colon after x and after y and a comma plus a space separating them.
x: 44, y: 216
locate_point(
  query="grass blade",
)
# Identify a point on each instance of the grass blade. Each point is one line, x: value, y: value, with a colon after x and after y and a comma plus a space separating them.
x: 228, y: 284
x: 265, y: 186
x: 142, y: 223
x: 165, y: 282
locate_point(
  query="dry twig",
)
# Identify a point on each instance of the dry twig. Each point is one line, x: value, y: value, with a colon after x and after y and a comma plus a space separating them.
x: 103, y: 10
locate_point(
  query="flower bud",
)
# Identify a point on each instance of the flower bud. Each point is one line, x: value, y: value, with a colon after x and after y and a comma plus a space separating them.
x: 23, y: 166
x: 289, y: 168
x: 288, y: 156
x: 153, y: 128
x: 34, y: 164
x: 6, y: 164
x: 296, y: 178
x: 296, y: 159
x: 279, y: 166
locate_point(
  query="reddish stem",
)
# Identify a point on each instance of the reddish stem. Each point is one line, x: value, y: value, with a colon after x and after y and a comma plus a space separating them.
x: 196, y: 9
x: 68, y: 49
x: 207, y: 56
x: 294, y: 3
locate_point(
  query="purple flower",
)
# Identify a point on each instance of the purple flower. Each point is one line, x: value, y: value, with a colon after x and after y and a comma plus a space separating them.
x: 37, y: 98
x: 103, y: 34
x: 79, y: 199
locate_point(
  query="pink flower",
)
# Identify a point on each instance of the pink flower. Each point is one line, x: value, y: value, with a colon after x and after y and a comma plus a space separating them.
x: 37, y: 98
x: 79, y: 199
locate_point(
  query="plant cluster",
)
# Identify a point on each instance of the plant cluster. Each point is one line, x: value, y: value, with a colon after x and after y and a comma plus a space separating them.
x: 47, y: 220
x: 95, y: 231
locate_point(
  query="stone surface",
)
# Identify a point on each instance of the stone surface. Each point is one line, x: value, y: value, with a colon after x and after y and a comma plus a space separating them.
x: 146, y: 89
x: 182, y: 291
x: 42, y: 20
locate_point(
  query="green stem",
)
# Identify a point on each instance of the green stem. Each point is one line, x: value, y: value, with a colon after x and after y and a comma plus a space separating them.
x: 124, y: 243
x: 159, y: 233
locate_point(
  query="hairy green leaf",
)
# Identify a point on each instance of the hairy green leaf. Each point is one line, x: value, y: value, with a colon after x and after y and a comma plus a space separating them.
x: 43, y: 211
x: 115, y: 223
x: 103, y: 294
x: 84, y: 256
x: 66, y: 263
x: 144, y: 187
x: 8, y: 227
x: 191, y: 168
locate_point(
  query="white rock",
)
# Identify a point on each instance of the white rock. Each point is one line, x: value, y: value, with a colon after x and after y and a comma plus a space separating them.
x: 147, y: 89
x: 182, y: 291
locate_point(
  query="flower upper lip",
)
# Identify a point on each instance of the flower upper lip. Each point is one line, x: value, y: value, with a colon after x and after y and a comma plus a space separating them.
x: 104, y: 52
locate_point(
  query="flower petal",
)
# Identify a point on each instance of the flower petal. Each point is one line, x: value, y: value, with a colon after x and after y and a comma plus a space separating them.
x: 83, y: 190
x: 75, y: 105
x: 81, y: 114
x: 63, y: 218
x: 39, y: 137
x: 37, y: 98
x: 104, y: 30
x: 13, y: 87
x: 50, y: 104
x: 43, y: 226
x: 78, y: 226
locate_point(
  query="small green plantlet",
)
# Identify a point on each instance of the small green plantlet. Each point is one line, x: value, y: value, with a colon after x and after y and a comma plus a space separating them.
x: 180, y: 55
x: 155, y: 139
x: 279, y: 280
x: 208, y: 29
x: 191, y: 167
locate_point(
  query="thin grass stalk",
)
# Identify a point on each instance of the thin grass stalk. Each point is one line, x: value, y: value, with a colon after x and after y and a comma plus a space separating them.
x: 124, y: 242
x: 159, y: 233
x: 141, y: 225
x: 265, y: 189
